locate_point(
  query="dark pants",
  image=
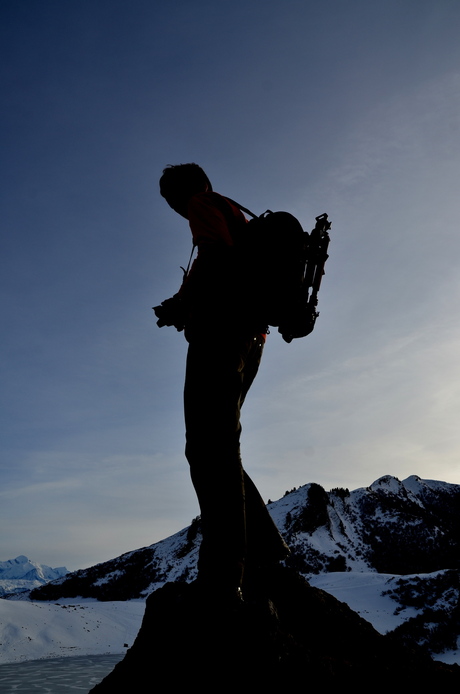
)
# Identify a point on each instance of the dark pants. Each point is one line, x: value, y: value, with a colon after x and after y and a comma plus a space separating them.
x: 236, y: 525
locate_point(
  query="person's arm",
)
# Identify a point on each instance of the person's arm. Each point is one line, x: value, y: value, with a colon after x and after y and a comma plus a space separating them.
x: 209, y: 225
x: 211, y: 235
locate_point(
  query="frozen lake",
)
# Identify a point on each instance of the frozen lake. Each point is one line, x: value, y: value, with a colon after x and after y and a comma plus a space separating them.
x: 56, y: 675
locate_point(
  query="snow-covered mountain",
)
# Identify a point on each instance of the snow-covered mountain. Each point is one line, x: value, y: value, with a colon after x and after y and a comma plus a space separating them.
x: 22, y: 574
x: 407, y: 531
x: 391, y: 527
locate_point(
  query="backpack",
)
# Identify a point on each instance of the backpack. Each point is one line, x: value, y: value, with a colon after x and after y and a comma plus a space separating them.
x: 282, y: 267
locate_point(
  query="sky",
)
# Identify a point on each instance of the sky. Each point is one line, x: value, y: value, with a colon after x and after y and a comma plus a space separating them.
x: 350, y: 107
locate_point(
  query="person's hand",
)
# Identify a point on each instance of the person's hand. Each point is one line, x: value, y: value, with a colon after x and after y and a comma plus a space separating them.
x: 170, y: 312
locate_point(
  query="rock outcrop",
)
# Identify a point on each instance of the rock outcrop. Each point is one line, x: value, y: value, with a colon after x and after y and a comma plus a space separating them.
x: 285, y: 634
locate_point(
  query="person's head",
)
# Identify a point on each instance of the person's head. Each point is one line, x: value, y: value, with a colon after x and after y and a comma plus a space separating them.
x: 179, y: 183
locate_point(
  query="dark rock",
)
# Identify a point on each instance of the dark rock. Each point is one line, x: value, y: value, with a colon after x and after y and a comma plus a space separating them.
x: 284, y: 634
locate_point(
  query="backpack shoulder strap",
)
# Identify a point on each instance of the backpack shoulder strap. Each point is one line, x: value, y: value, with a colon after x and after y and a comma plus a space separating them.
x: 240, y: 207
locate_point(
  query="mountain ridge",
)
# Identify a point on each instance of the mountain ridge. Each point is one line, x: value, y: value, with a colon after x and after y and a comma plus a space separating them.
x: 392, y: 526
x: 22, y: 574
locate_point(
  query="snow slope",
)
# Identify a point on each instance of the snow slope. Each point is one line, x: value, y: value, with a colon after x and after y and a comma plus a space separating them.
x: 29, y: 630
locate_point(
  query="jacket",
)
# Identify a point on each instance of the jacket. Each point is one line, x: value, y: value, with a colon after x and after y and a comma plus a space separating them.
x: 213, y: 295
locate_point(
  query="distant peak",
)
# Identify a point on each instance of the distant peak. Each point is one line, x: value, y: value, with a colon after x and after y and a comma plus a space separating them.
x: 388, y: 482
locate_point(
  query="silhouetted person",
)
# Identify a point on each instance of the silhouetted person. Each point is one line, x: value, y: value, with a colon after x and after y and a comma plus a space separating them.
x: 226, y: 341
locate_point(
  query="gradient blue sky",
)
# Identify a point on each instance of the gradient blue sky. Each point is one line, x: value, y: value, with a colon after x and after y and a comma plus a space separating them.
x: 350, y: 107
